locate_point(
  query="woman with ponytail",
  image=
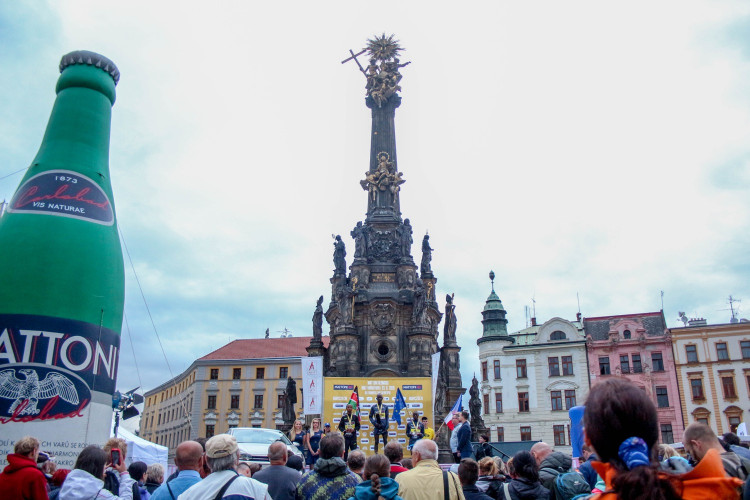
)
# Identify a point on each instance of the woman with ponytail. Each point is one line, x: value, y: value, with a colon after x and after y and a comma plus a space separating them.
x: 622, y: 425
x: 377, y: 485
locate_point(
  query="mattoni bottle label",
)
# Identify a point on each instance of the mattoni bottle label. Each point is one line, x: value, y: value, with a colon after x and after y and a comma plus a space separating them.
x: 64, y: 193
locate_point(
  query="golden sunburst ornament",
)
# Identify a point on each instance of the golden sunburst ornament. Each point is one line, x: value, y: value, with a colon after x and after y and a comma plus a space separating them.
x: 383, y: 47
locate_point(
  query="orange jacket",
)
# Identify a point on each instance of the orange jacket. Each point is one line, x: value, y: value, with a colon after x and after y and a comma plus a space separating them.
x: 706, y: 481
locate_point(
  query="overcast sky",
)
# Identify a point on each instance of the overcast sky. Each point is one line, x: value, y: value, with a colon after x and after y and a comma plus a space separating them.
x: 591, y: 148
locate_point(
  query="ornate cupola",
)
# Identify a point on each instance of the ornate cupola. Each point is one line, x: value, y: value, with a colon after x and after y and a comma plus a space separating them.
x: 494, y: 324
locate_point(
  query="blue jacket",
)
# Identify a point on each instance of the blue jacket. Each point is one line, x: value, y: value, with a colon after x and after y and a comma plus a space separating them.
x: 388, y: 490
x: 464, y: 441
x: 588, y: 472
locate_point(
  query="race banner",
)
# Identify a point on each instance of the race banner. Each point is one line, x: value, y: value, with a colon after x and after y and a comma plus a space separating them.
x: 435, y: 372
x: 312, y: 383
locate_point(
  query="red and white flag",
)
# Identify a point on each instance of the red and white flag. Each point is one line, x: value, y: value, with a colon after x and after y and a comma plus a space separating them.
x: 448, y: 420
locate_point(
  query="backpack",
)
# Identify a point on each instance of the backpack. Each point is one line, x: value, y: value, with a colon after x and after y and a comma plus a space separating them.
x: 569, y: 485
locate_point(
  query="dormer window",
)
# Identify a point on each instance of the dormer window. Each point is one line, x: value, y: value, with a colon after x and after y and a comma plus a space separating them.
x: 557, y: 335
x: 626, y: 334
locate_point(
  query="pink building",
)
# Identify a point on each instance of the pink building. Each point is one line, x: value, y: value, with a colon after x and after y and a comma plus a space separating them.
x: 639, y: 348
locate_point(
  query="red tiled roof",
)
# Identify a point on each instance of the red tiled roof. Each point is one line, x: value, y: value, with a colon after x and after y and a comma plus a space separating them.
x: 635, y: 315
x: 263, y: 348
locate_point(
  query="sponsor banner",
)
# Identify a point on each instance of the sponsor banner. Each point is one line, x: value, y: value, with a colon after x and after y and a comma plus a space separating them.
x: 417, y: 392
x: 435, y: 371
x: 312, y: 384
x: 51, y: 369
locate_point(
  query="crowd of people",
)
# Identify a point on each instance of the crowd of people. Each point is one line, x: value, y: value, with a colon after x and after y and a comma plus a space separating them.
x: 621, y: 460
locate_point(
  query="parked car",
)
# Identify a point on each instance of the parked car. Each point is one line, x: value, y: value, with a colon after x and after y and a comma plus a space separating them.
x: 254, y: 442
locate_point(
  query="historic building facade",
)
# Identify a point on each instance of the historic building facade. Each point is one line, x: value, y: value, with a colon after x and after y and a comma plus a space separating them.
x: 531, y: 378
x: 239, y: 385
x: 639, y: 348
x: 713, y: 372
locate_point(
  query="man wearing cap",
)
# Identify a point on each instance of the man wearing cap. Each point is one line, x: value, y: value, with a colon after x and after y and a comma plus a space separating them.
x: 223, y: 457
x: 379, y: 421
x: 349, y: 425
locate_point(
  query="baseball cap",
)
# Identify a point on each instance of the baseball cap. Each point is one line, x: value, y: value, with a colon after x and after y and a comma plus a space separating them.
x: 327, y: 424
x: 221, y: 445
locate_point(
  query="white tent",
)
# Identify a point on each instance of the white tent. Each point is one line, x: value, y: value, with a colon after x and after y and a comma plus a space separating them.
x: 140, y: 450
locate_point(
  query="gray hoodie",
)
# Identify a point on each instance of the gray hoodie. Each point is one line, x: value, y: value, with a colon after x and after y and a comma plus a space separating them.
x: 80, y: 485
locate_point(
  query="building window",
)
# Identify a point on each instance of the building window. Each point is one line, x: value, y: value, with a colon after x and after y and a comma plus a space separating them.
x: 557, y: 335
x: 234, y: 402
x: 523, y: 401
x: 567, y: 365
x: 662, y: 398
x: 554, y: 366
x: 260, y: 373
x: 283, y: 372
x: 691, y: 352
x: 727, y: 384
x: 484, y: 371
x: 258, y: 401
x: 209, y: 431
x: 734, y: 417
x: 636, y: 358
x: 158, y: 422
x: 745, y: 347
x: 696, y: 387
x: 500, y: 434
x: 556, y: 400
x: 214, y: 374
x: 232, y: 426
x: 666, y: 434
x: 521, y: 368
x: 559, y: 431
x: 280, y: 401
x: 211, y: 404
x: 499, y: 402
x: 626, y: 334
x: 496, y: 367
x: 721, y: 351
x: 604, y: 365
x: 701, y: 415
x: 570, y: 399
x: 625, y: 364
x: 486, y: 405
x: 657, y: 362
x: 525, y: 433
x: 236, y: 373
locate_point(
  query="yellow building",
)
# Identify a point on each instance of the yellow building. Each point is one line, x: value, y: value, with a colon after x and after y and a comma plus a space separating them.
x: 239, y: 385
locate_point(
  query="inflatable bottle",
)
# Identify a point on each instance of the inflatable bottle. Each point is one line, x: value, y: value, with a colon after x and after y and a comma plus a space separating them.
x: 61, y: 275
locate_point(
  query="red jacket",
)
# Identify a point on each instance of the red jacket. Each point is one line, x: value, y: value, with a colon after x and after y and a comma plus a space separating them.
x: 21, y: 480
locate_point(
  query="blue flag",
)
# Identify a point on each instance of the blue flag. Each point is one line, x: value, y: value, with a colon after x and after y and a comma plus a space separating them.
x: 398, y: 406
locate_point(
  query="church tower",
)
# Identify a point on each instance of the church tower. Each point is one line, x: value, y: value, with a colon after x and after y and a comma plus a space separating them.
x: 383, y: 314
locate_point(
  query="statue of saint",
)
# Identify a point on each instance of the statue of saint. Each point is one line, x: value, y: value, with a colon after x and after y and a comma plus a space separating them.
x: 339, y: 256
x: 475, y: 404
x: 317, y: 320
x: 290, y: 398
x: 268, y: 333
x: 360, y: 247
x: 417, y: 315
x: 426, y: 268
x: 449, y: 331
x: 406, y: 239
x: 344, y: 294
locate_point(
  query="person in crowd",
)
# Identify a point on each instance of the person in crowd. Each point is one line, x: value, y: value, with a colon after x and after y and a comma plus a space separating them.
x: 296, y: 462
x: 622, y: 426
x: 524, y: 484
x: 465, y: 448
x: 733, y: 441
x: 329, y: 478
x: 244, y: 469
x: 551, y: 463
x: 501, y: 467
x: 377, y: 485
x: 407, y: 463
x: 671, y: 461
x: 58, y: 478
x: 312, y: 442
x: 484, y: 449
x: 699, y: 438
x: 223, y: 456
x: 189, y: 460
x: 468, y: 473
x: 394, y: 453
x: 256, y: 467
x: 112, y: 477
x: 429, y: 432
x: 86, y: 480
x: 454, y: 437
x: 137, y: 471
x: 281, y: 480
x: 21, y: 479
x: 585, y: 468
x: 414, y: 430
x: 356, y: 462
x: 379, y: 419
x: 425, y: 480
x: 154, y: 477
x: 326, y: 428
x: 349, y: 425
x: 297, y: 435
x: 46, y: 464
x: 489, y: 480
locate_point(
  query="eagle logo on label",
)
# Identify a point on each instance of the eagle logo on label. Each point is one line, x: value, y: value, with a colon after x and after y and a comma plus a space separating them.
x: 26, y: 394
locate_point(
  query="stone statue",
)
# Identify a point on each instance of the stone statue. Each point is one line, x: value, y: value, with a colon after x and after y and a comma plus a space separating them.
x: 475, y: 404
x: 339, y: 256
x: 360, y: 246
x: 344, y: 294
x: 290, y: 398
x: 406, y: 239
x: 317, y: 319
x: 268, y: 334
x: 449, y: 331
x: 420, y: 302
x: 426, y: 268
x: 440, y: 391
